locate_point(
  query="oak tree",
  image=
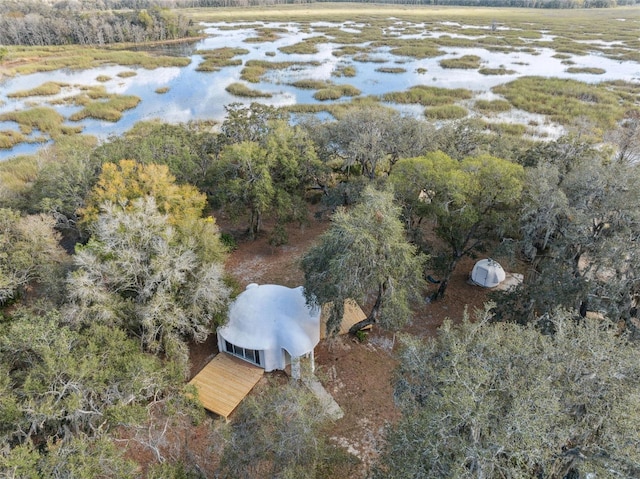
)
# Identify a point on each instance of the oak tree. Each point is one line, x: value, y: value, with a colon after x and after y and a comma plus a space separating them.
x: 474, y: 406
x: 469, y: 201
x: 364, y: 253
x: 140, y: 273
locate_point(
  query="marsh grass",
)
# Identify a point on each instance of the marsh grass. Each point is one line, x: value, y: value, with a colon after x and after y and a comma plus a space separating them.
x: 108, y: 110
x: 366, y: 58
x: 511, y: 129
x: 335, y: 92
x: 17, y: 176
x: 465, y: 62
x: 525, y: 26
x: 306, y: 47
x: 265, y: 35
x: 96, y: 92
x: 344, y: 71
x: 445, y: 112
x: 337, y: 110
x: 566, y: 101
x: 103, y: 78
x: 391, y: 70
x: 216, y: 59
x: 349, y: 50
x: 252, y: 73
x: 255, y: 69
x: 496, y: 71
x: 417, y: 51
x: 492, y: 106
x: 458, y: 42
x: 162, y: 90
x: 9, y: 139
x: 590, y: 70
x: 428, y: 95
x: 242, y: 90
x: 45, y: 119
x: 27, y: 60
x: 629, y: 92
x: 310, y: 84
x: 127, y: 74
x: 46, y: 89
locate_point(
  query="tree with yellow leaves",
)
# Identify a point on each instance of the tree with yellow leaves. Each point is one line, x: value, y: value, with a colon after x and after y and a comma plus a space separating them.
x: 127, y: 180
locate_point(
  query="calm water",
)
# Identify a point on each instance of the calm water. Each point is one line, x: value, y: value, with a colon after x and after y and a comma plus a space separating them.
x: 202, y: 95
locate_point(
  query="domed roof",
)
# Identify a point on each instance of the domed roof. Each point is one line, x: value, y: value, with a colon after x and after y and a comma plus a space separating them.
x: 487, y: 273
x: 269, y: 316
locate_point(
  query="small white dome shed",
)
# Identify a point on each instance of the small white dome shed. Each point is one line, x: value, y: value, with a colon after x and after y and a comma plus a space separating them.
x: 487, y: 273
x: 271, y: 326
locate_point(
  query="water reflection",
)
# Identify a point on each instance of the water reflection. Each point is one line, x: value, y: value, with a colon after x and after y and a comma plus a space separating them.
x: 201, y: 95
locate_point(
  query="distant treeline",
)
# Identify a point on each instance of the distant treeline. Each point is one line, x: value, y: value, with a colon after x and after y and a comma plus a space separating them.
x: 246, y: 3
x: 92, y: 5
x: 38, y: 24
x: 100, y: 22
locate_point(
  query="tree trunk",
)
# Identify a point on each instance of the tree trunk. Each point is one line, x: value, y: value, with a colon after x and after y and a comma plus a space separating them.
x: 373, y: 315
x: 445, y: 281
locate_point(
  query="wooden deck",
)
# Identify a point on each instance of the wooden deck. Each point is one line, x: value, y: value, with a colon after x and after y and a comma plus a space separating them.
x: 352, y: 314
x: 225, y: 382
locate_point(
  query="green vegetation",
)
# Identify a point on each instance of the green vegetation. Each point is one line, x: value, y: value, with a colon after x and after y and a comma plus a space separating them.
x: 469, y: 371
x: 445, y: 112
x: 42, y: 59
x: 367, y: 58
x: 310, y: 84
x: 127, y: 74
x: 253, y: 73
x: 570, y: 102
x: 48, y: 88
x: 349, y: 50
x: 417, y: 51
x: 344, y: 71
x: 109, y: 110
x: 17, y: 177
x: 242, y: 90
x: 219, y: 58
x: 464, y: 214
x: 496, y: 71
x: 46, y: 120
x: 334, y: 92
x: 371, y: 239
x: 255, y: 69
x: 465, y: 62
x: 591, y: 70
x: 266, y: 35
x: 391, y: 70
x: 47, y: 24
x: 36, y: 252
x: 11, y: 138
x: 492, y: 105
x: 305, y: 47
x: 428, y: 95
x: 514, y: 129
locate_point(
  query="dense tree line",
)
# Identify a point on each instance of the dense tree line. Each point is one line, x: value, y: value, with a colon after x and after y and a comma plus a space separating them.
x: 111, y: 265
x: 76, y: 6
x: 39, y: 25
